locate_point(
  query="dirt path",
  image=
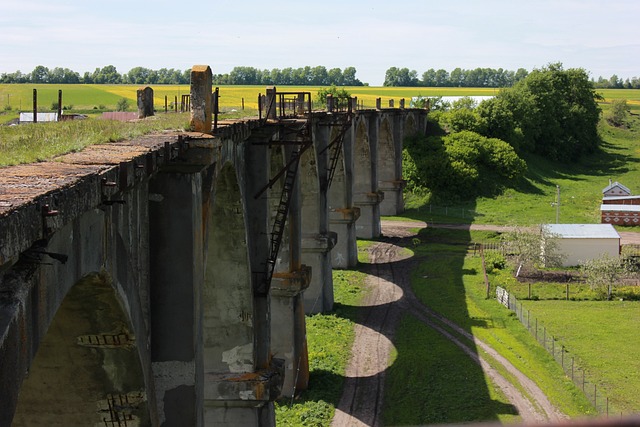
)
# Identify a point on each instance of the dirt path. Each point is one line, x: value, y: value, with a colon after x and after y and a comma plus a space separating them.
x: 390, y: 297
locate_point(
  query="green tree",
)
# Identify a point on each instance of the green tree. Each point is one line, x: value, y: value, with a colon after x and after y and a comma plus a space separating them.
x: 460, y: 165
x: 40, y: 74
x: 525, y: 246
x: 341, y: 96
x: 400, y: 77
x: 603, y: 273
x: 557, y: 112
x: 618, y: 113
x: 122, y: 105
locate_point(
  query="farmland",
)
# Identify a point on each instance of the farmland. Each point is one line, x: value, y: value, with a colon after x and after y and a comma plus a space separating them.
x: 80, y: 97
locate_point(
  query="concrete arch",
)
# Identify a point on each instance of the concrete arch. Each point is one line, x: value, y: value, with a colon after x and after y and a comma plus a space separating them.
x: 87, y: 370
x: 410, y: 126
x: 228, y: 318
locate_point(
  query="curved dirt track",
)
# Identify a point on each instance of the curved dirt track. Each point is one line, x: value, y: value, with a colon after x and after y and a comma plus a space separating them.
x: 390, y: 297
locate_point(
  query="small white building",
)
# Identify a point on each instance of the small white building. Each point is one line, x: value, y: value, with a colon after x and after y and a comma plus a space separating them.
x: 42, y: 117
x: 583, y: 242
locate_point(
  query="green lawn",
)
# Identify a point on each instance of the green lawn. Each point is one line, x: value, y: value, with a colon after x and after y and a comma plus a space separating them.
x: 603, y: 338
x: 450, y: 281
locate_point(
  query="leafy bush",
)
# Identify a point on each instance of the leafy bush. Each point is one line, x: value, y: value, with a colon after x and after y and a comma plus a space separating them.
x: 341, y: 96
x: 494, y: 261
x: 463, y: 165
x: 122, y: 105
x: 618, y: 113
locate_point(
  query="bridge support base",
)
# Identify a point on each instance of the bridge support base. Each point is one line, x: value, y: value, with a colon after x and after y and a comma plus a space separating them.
x: 343, y: 222
x: 287, y: 318
x: 316, y: 253
x: 368, y: 225
x: 243, y: 399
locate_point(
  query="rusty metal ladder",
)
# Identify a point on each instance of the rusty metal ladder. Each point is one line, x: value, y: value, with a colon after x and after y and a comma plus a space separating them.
x: 279, y: 223
x: 336, y: 146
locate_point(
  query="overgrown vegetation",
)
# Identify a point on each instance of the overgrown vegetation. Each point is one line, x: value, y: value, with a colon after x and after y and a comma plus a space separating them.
x: 462, y: 165
x: 341, y: 97
x: 38, y: 142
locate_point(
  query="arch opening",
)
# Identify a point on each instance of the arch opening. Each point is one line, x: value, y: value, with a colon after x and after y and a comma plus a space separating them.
x: 87, y: 369
x: 228, y: 329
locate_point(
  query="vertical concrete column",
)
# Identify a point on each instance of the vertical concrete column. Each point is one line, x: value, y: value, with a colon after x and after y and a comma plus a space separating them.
x: 342, y: 213
x: 389, y: 164
x: 317, y: 240
x: 200, y: 99
x: 288, y: 336
x: 175, y: 221
x: 241, y: 378
x: 271, y: 107
x: 145, y: 102
x: 366, y: 194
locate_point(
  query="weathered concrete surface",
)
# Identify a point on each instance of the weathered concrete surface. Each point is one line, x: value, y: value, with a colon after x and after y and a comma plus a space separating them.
x: 144, y: 98
x: 172, y: 225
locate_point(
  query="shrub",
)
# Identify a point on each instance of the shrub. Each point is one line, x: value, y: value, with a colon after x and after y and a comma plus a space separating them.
x: 122, y: 105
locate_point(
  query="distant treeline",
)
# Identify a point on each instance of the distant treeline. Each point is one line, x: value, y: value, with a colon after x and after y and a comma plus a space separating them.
x: 483, y: 77
x: 303, y: 76
x: 315, y: 76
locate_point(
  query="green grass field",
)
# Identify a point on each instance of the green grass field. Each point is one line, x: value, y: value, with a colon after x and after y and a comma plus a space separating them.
x: 91, y: 96
x: 603, y: 337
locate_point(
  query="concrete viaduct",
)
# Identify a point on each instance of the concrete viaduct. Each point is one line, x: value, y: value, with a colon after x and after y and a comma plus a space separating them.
x: 164, y: 281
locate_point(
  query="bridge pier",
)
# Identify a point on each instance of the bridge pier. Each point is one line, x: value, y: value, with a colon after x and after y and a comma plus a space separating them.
x: 389, y: 164
x: 290, y: 280
x: 317, y: 239
x: 177, y: 269
x: 342, y: 213
x: 366, y: 195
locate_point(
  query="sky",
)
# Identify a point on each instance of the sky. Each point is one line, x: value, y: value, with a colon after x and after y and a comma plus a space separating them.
x: 602, y: 37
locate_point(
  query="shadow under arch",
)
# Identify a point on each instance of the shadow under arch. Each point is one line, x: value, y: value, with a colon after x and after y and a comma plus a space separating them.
x: 87, y: 370
x: 228, y: 313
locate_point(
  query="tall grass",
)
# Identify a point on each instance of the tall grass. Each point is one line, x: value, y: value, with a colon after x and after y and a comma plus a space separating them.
x: 42, y: 141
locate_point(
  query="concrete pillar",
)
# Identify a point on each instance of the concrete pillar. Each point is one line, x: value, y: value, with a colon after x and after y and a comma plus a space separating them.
x: 288, y: 328
x: 317, y: 240
x: 175, y: 216
x: 200, y: 99
x: 389, y: 166
x: 330, y: 103
x: 271, y: 107
x: 366, y: 195
x: 145, y: 102
x: 342, y: 213
x: 241, y: 379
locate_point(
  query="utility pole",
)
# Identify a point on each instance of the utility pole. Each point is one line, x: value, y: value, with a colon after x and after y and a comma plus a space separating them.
x: 557, y: 204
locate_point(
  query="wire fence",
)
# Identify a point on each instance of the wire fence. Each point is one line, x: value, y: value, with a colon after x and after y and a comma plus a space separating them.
x: 451, y: 211
x: 555, y: 347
